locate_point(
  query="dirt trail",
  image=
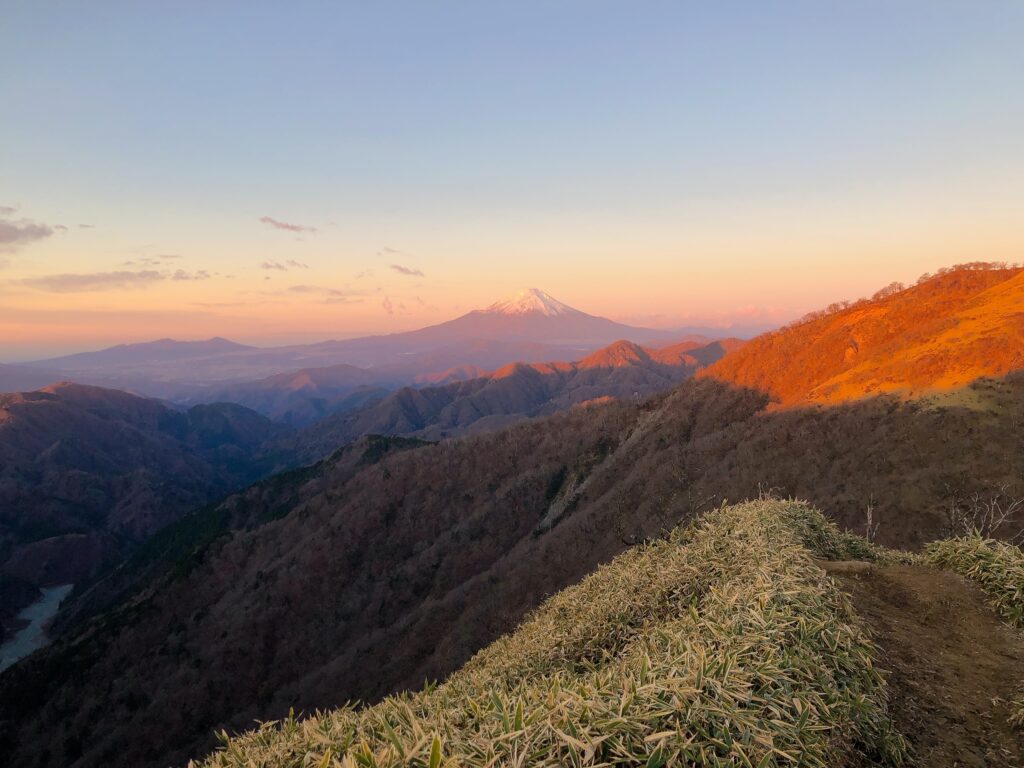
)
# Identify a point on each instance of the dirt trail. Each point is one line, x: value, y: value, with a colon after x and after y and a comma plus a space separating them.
x: 952, y: 664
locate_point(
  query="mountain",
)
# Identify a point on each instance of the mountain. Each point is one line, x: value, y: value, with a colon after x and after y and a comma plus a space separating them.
x: 395, y: 561
x: 530, y: 326
x: 514, y: 392
x: 533, y: 315
x: 86, y: 473
x: 160, y: 351
x: 307, y: 395
x: 943, y: 333
x: 339, y: 584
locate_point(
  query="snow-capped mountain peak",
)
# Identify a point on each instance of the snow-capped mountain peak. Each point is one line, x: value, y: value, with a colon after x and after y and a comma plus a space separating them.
x: 530, y: 300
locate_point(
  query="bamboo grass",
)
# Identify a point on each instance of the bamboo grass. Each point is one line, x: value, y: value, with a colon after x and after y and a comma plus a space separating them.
x: 724, y: 645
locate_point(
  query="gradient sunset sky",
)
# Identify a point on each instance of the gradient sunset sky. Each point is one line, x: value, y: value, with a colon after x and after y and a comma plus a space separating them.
x: 285, y: 172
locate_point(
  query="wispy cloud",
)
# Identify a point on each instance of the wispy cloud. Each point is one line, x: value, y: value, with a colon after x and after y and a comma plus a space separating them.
x: 87, y: 226
x: 181, y: 274
x: 388, y: 306
x: 285, y: 225
x: 92, y: 281
x: 402, y: 270
x: 79, y: 282
x: 147, y: 261
x: 279, y: 266
x: 17, y: 233
x: 329, y: 295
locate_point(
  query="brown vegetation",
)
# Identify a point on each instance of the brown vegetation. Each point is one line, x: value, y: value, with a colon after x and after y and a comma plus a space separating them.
x: 86, y: 472
x: 374, y: 581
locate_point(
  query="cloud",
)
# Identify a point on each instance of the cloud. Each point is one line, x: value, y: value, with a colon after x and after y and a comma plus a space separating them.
x: 388, y: 306
x: 181, y: 274
x: 287, y: 226
x: 279, y: 266
x: 407, y: 271
x: 86, y: 226
x: 92, y: 281
x: 16, y: 233
x: 389, y: 252
x: 364, y: 273
x: 79, y: 282
x: 329, y: 295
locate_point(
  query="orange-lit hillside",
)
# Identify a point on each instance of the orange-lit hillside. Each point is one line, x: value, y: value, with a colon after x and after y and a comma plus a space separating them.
x: 942, y: 333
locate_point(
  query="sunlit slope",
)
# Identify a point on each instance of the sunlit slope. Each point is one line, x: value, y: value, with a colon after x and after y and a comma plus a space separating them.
x: 940, y: 334
x: 722, y: 645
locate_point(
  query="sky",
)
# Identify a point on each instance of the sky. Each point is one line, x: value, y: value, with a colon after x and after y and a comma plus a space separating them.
x: 290, y: 172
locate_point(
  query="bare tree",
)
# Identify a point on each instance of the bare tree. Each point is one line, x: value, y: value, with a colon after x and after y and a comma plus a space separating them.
x: 985, y: 514
x: 871, y: 526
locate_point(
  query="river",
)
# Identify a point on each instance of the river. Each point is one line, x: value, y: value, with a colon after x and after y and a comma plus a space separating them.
x: 33, y: 637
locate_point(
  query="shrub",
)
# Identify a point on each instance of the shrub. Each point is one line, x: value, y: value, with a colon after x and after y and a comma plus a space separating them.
x: 996, y: 566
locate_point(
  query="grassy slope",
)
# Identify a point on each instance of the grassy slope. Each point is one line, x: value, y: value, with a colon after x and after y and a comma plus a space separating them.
x: 996, y: 566
x: 721, y: 645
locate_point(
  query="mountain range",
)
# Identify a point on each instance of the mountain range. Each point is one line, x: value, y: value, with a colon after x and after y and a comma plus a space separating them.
x: 515, y: 392
x: 87, y: 473
x: 394, y: 560
x: 529, y: 326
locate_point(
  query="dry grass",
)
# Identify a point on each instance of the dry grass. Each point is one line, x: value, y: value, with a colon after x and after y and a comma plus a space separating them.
x: 996, y: 566
x: 723, y: 645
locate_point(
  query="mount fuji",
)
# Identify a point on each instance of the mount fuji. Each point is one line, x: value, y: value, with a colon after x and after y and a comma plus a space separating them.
x: 528, y: 326
x: 533, y: 315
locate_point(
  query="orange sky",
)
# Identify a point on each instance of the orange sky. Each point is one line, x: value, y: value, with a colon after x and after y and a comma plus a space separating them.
x: 296, y: 182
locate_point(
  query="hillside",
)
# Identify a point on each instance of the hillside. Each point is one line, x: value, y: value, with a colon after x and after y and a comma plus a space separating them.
x: 515, y: 392
x: 86, y: 472
x: 719, y: 645
x: 353, y: 585
x: 940, y: 334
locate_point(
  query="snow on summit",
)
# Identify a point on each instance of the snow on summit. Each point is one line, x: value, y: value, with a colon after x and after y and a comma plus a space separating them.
x: 531, y: 300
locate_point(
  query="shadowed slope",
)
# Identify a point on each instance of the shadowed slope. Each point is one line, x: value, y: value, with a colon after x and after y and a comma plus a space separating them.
x: 364, y: 583
x: 86, y: 472
x: 515, y: 392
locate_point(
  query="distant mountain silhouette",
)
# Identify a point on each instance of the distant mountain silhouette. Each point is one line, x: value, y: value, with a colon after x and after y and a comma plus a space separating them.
x: 159, y: 351
x: 529, y: 326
